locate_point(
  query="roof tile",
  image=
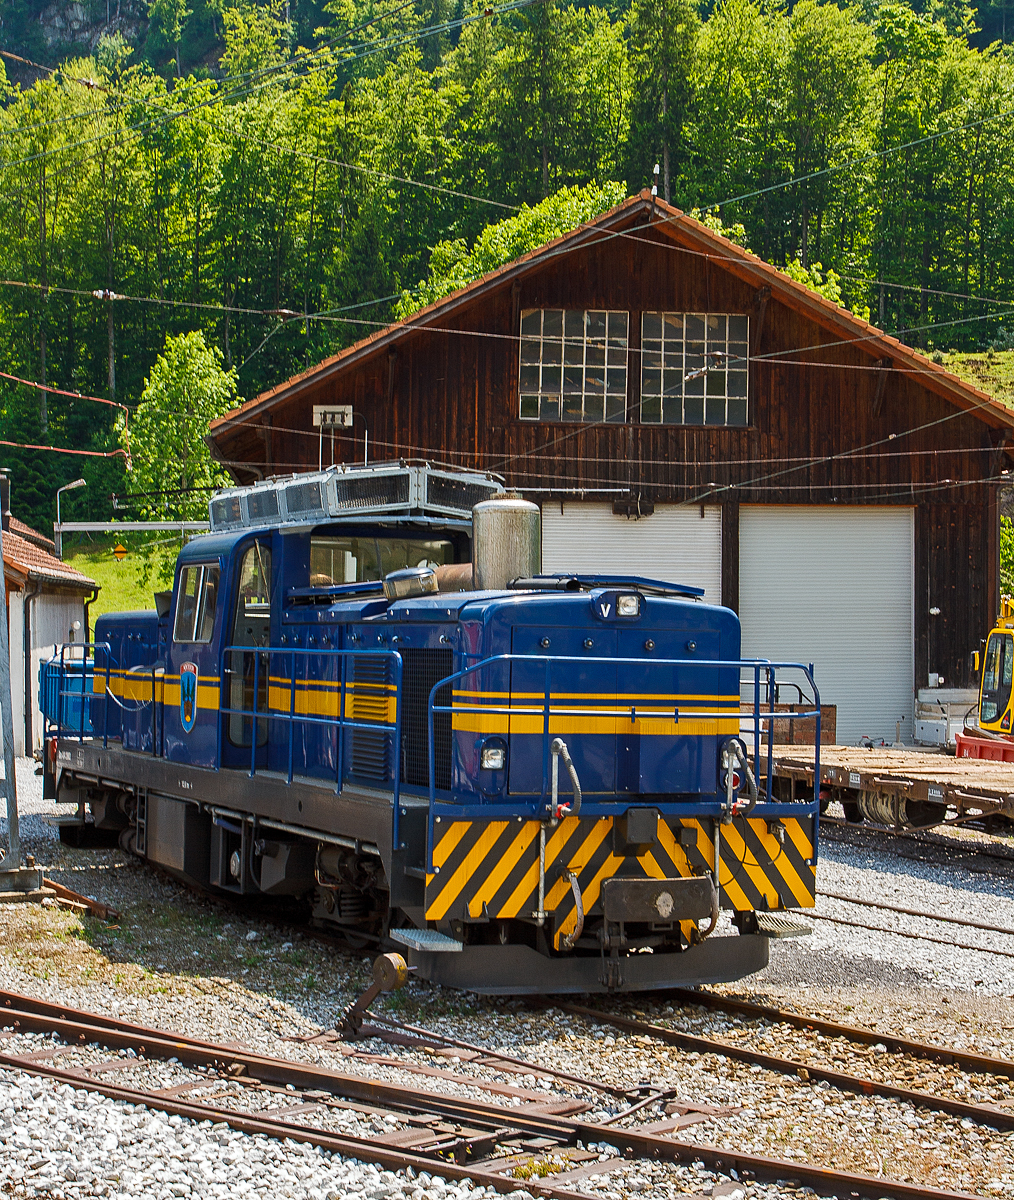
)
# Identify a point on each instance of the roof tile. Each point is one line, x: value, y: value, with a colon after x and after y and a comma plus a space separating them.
x: 39, y: 564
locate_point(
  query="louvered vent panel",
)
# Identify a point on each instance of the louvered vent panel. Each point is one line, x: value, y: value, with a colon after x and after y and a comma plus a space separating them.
x: 226, y: 511
x: 457, y: 494
x: 422, y: 669
x: 303, y: 498
x: 372, y: 491
x: 370, y: 749
x: 262, y: 506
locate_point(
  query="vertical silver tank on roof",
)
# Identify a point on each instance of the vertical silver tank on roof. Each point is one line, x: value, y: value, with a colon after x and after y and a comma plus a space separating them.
x: 506, y: 541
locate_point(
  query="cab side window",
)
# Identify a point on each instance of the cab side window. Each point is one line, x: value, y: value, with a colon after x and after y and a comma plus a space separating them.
x: 997, y: 677
x: 252, y: 626
x: 246, y: 670
x: 198, y: 600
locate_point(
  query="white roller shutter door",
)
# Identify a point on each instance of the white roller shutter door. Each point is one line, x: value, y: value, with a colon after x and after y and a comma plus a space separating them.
x: 835, y: 586
x: 675, y: 543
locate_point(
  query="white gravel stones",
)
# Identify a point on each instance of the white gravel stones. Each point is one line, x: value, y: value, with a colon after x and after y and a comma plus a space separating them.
x: 879, y: 868
x: 61, y: 1142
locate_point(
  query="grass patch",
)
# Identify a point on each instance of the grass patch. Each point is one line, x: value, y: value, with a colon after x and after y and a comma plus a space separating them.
x: 121, y: 591
x: 990, y: 371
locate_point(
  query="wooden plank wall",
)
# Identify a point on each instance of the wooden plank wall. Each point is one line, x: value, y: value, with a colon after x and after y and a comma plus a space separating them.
x: 827, y: 427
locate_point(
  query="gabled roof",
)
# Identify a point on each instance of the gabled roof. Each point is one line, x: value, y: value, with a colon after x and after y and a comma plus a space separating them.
x: 22, y: 558
x: 671, y: 222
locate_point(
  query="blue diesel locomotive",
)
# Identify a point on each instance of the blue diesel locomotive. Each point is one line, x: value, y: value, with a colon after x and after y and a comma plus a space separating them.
x: 363, y: 692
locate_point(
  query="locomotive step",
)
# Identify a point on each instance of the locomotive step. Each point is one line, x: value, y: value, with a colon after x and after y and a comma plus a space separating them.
x: 429, y: 940
x: 781, y: 925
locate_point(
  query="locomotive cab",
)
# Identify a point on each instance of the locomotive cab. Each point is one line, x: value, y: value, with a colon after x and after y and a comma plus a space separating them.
x: 365, y: 694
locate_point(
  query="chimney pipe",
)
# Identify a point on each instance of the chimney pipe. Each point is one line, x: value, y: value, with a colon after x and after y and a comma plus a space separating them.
x: 5, y: 497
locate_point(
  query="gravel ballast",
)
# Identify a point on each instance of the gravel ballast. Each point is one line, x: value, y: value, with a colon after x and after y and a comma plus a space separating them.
x: 178, y: 961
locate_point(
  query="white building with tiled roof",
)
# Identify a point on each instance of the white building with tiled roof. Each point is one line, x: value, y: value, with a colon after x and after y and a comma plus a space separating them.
x: 47, y: 604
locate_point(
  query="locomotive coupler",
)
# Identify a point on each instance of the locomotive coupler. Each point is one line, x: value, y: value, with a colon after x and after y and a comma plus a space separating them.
x: 390, y: 972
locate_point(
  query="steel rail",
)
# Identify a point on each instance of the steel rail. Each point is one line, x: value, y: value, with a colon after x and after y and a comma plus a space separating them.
x: 997, y: 1117
x: 908, y: 933
x: 967, y: 1060
x: 825, y: 1181
x: 497, y: 1056
x: 943, y: 918
x: 920, y: 837
x: 363, y: 1149
x: 29, y: 1004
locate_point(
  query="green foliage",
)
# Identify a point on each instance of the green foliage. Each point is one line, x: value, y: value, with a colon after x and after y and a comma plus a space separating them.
x: 167, y: 20
x: 254, y: 38
x: 1007, y: 556
x: 122, y: 591
x: 170, y: 464
x: 231, y: 170
x: 735, y: 232
x: 453, y: 265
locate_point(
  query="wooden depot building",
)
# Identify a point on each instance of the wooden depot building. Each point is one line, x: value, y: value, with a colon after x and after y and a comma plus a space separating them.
x: 682, y: 410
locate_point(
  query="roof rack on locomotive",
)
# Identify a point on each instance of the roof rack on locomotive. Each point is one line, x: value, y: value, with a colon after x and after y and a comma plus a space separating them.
x: 527, y: 782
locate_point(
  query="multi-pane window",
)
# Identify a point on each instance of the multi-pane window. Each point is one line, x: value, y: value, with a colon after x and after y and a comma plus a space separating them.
x: 573, y: 365
x: 195, y: 607
x: 694, y: 368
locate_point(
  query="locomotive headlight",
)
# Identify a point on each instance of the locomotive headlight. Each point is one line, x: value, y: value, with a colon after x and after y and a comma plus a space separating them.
x: 628, y: 606
x: 493, y: 758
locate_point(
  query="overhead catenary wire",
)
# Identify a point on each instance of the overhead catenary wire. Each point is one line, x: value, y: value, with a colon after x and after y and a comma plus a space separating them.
x: 460, y: 194
x: 68, y: 450
x: 717, y: 257
x: 46, y: 387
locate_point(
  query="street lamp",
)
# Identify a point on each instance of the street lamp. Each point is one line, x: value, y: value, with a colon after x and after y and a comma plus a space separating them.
x: 57, y: 528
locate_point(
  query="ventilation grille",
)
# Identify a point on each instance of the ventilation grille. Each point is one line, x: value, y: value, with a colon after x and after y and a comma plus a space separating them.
x: 226, y: 510
x: 303, y: 498
x: 457, y: 495
x: 369, y: 700
x: 422, y: 669
x: 262, y: 506
x: 373, y: 491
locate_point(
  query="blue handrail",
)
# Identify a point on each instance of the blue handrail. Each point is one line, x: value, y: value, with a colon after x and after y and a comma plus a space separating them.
x: 293, y: 719
x: 81, y: 669
x: 758, y: 667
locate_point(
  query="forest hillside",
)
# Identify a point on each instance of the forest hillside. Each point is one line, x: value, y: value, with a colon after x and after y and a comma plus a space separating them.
x: 284, y: 178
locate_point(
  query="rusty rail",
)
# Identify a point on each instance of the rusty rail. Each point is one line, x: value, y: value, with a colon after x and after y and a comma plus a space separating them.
x: 79, y: 1028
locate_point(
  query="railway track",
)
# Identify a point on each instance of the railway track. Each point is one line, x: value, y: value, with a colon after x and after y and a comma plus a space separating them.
x: 457, y: 1136
x: 869, y: 834
x: 812, y: 1069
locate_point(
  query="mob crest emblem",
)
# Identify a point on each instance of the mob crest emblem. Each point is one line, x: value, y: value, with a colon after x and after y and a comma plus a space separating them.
x: 188, y: 695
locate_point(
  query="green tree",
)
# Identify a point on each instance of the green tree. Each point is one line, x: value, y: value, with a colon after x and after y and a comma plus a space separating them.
x: 663, y: 44
x: 453, y: 265
x: 550, y: 109
x: 1007, y: 556
x: 827, y: 70
x: 168, y: 19
x: 169, y: 459
x: 254, y: 38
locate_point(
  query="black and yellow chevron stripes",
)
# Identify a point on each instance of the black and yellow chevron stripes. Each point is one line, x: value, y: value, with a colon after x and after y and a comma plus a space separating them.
x: 491, y: 868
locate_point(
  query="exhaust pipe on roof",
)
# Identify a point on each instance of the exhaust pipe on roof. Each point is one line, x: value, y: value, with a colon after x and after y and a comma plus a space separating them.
x: 506, y: 541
